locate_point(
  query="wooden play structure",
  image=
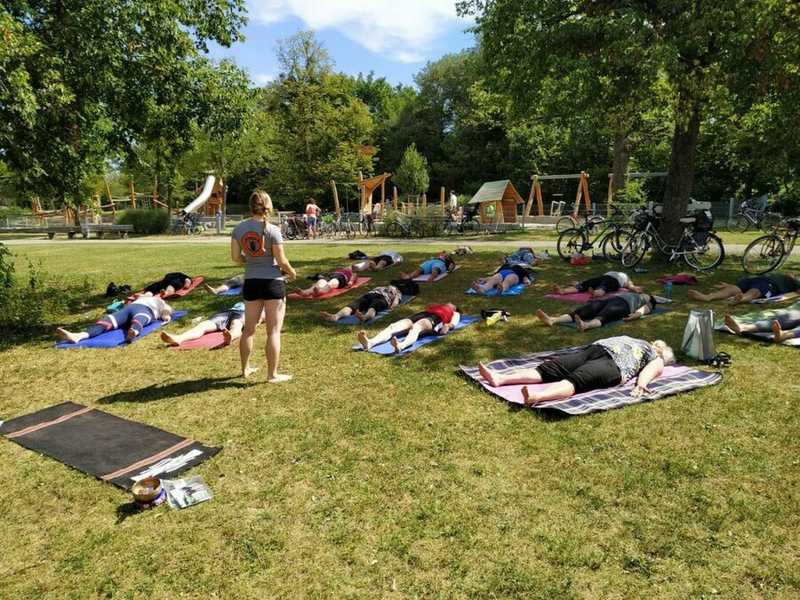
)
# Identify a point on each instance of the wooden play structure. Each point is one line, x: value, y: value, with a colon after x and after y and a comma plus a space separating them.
x: 557, y: 206
x: 503, y: 196
x: 366, y: 188
x: 628, y: 177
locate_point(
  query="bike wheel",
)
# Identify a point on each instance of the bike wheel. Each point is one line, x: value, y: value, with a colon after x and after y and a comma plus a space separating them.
x: 763, y: 254
x: 634, y: 250
x: 770, y: 221
x: 742, y: 223
x: 611, y: 246
x: 706, y: 256
x: 570, y: 242
x: 565, y: 223
x: 394, y: 229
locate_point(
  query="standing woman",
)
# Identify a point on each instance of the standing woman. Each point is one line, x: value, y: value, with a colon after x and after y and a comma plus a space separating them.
x: 258, y: 245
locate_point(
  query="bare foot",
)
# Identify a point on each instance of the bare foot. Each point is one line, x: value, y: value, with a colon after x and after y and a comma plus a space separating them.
x: 67, y: 335
x: 360, y: 316
x: 778, y: 333
x: 733, y: 325
x: 132, y: 334
x: 527, y: 397
x: 363, y: 339
x: 169, y: 339
x: 210, y: 289
x: 477, y: 287
x: 395, y: 344
x: 736, y: 298
x: 249, y: 371
x: 301, y: 292
x: 327, y: 316
x: 488, y: 375
x: 280, y: 378
x: 544, y: 317
x: 579, y: 323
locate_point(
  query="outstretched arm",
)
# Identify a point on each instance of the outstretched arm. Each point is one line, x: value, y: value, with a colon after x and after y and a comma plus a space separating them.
x: 638, y: 314
x: 653, y: 369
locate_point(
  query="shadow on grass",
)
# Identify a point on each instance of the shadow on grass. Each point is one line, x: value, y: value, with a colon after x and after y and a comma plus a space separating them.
x: 156, y: 391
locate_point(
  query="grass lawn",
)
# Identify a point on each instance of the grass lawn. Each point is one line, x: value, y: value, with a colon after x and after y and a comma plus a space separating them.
x: 380, y: 477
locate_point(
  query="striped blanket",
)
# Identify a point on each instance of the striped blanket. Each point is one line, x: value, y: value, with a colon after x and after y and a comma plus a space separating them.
x: 674, y: 380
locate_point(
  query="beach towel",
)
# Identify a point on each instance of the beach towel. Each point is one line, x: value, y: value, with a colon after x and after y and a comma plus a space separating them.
x: 657, y: 311
x: 762, y: 315
x: 675, y: 379
x: 386, y: 348
x: 582, y: 297
x: 352, y: 320
x: 210, y: 341
x: 680, y: 279
x: 116, y: 337
x: 358, y: 283
x: 110, y: 448
x: 424, y: 278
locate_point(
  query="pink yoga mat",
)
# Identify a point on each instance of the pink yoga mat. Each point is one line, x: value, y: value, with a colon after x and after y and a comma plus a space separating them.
x: 358, y: 283
x: 208, y: 342
x: 581, y: 297
x: 513, y: 393
x: 681, y: 279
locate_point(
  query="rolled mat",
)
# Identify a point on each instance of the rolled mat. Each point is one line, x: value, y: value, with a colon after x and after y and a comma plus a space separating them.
x: 581, y: 297
x: 675, y: 379
x: 658, y: 311
x: 514, y: 290
x: 425, y: 278
x: 352, y: 320
x: 386, y: 348
x: 110, y: 448
x: 116, y: 337
x: 358, y: 283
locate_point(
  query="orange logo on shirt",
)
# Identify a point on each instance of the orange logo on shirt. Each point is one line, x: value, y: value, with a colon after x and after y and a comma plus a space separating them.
x: 252, y: 244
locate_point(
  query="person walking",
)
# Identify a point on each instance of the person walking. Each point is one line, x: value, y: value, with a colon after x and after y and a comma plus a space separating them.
x: 257, y: 245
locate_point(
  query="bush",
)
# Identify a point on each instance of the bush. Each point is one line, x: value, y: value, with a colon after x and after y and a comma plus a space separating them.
x: 144, y: 220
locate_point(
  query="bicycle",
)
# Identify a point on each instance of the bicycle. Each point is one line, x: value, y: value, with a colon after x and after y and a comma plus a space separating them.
x: 567, y: 222
x: 756, y: 216
x: 699, y: 246
x: 768, y: 252
x: 610, y: 239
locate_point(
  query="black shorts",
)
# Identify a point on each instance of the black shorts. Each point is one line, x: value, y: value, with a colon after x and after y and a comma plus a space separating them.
x: 388, y: 260
x: 606, y: 310
x: 521, y: 272
x: 264, y: 289
x: 367, y: 301
x: 341, y: 278
x: 589, y: 369
x: 426, y: 315
x: 762, y: 284
x: 604, y: 282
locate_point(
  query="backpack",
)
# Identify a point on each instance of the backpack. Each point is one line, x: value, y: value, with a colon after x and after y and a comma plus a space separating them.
x: 357, y: 255
x: 111, y: 290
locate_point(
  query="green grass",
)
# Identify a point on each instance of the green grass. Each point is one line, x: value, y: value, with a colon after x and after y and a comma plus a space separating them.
x: 374, y: 477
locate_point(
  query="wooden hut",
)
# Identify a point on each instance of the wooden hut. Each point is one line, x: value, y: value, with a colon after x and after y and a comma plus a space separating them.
x: 503, y: 196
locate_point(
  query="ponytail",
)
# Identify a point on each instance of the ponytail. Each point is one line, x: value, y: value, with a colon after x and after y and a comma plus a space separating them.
x: 261, y: 205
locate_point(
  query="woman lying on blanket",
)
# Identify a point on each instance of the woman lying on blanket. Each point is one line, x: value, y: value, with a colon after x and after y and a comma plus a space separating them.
x: 598, y: 287
x: 506, y: 277
x: 433, y: 267
x: 378, y: 263
x: 438, y: 318
x: 748, y: 289
x: 339, y: 279
x: 134, y: 317
x: 370, y: 304
x: 605, y: 363
x: 234, y: 282
x: 171, y: 283
x: 230, y: 322
x: 784, y: 324
x: 627, y: 306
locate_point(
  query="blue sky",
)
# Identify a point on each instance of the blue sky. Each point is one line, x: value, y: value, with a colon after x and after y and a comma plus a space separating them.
x: 393, y: 38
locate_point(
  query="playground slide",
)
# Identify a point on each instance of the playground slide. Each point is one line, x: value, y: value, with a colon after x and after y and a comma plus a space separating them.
x: 198, y: 202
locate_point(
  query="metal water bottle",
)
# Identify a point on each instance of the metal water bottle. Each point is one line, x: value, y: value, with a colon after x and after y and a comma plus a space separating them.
x: 668, y: 290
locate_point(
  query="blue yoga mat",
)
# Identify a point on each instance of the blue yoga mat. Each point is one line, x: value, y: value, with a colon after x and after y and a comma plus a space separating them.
x: 234, y: 291
x: 386, y: 348
x: 352, y: 320
x: 116, y: 337
x: 514, y: 290
x: 658, y: 311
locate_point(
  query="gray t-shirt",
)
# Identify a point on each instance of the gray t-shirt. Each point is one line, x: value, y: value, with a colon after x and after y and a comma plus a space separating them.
x: 256, y: 243
x: 622, y: 278
x: 631, y: 355
x: 635, y: 301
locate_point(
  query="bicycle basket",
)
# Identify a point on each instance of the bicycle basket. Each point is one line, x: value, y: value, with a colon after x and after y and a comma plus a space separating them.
x: 641, y: 220
x: 704, y: 220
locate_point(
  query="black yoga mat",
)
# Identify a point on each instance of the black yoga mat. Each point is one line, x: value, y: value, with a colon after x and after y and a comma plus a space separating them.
x: 110, y: 448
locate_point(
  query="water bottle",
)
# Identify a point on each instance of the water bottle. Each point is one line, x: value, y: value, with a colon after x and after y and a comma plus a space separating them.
x: 668, y: 290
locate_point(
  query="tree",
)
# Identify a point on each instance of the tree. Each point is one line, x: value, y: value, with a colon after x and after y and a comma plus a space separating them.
x: 412, y: 174
x: 76, y: 101
x: 748, y: 47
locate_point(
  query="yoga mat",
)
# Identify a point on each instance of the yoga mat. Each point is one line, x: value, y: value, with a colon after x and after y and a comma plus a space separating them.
x: 581, y: 297
x: 386, y: 348
x: 675, y: 379
x: 110, y: 448
x: 761, y: 315
x: 424, y: 278
x: 683, y: 279
x: 358, y: 283
x: 209, y: 341
x: 774, y: 299
x: 514, y: 290
x: 234, y: 291
x: 179, y: 294
x: 116, y: 337
x: 658, y: 311
x: 352, y: 320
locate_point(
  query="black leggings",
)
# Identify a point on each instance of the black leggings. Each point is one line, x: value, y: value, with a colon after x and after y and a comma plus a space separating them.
x: 589, y: 369
x: 603, y: 282
x: 176, y: 280
x: 606, y: 309
x: 367, y: 301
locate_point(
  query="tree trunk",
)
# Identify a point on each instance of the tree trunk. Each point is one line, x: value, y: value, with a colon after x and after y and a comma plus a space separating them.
x: 680, y: 179
x: 622, y: 156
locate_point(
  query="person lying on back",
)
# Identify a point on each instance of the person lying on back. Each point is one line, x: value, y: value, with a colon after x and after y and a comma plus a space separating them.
x: 626, y: 306
x: 599, y: 286
x: 436, y: 318
x: 169, y: 284
x: 748, y: 289
x: 377, y: 300
x: 134, y: 317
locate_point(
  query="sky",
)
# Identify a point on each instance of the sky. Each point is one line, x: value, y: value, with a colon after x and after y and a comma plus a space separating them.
x: 393, y: 38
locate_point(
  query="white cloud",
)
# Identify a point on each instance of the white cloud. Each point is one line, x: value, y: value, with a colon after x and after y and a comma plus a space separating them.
x: 263, y: 78
x: 403, y: 30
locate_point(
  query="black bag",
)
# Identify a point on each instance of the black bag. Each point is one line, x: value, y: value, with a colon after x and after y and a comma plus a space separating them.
x: 703, y: 224
x: 111, y: 290
x: 357, y: 255
x: 407, y: 287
